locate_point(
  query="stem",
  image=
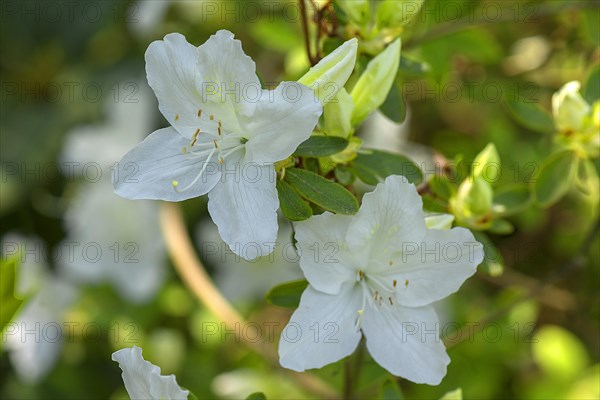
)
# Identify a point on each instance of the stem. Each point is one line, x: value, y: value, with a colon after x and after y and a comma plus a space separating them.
x: 192, y: 273
x: 305, y: 32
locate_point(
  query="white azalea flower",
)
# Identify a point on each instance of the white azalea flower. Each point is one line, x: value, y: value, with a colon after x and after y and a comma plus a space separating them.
x: 34, y: 339
x: 113, y: 240
x: 387, y: 271
x: 143, y: 379
x: 258, y: 275
x: 569, y: 108
x: 226, y: 133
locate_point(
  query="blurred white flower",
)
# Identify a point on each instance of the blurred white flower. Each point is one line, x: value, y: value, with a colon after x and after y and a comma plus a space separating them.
x: 387, y: 270
x: 114, y: 240
x: 143, y: 380
x: 247, y: 281
x: 35, y: 337
x: 226, y: 134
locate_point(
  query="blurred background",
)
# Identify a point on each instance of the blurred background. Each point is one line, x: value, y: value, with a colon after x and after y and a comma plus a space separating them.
x: 93, y: 267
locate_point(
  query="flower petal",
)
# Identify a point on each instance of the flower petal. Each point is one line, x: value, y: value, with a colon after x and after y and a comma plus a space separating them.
x: 229, y: 82
x: 436, y: 267
x: 324, y: 256
x: 389, y: 216
x: 143, y: 379
x: 322, y: 330
x: 405, y: 342
x: 149, y: 169
x: 244, y: 207
x: 172, y: 71
x: 284, y: 118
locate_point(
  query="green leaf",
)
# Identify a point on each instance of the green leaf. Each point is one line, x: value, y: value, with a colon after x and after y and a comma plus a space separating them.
x: 374, y: 84
x: 393, y: 107
x: 530, y: 115
x: 257, y: 396
x: 323, y: 192
x: 390, y: 391
x: 442, y: 187
x: 434, y: 204
x: 455, y: 394
x: 344, y: 175
x: 493, y: 262
x: 555, y: 177
x: 501, y: 227
x: 411, y: 67
x: 292, y: 205
x: 487, y: 164
x: 287, y: 294
x: 512, y: 199
x: 9, y: 303
x: 591, y: 90
x: 474, y: 197
x: 587, y: 178
x: 321, y: 146
x: 373, y: 166
x: 331, y: 73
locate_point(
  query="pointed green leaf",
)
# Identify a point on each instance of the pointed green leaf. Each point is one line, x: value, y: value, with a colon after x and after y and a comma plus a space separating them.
x: 390, y: 391
x: 393, y: 107
x: 373, y: 166
x: 442, y: 187
x: 287, y: 294
x: 9, y: 303
x: 374, y: 84
x: 530, y: 115
x: 512, y: 199
x: 555, y: 177
x: 411, y: 67
x: 487, y: 164
x: 321, y: 146
x: 292, y: 205
x: 331, y: 73
x: 336, y: 115
x: 591, y: 91
x: 493, y: 262
x: 455, y: 394
x: 323, y: 192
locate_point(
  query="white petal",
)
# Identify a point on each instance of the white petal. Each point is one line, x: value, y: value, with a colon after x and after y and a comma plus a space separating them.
x: 284, y: 118
x: 322, y: 330
x: 143, y: 380
x: 244, y: 206
x: 435, y: 267
x: 172, y: 71
x: 229, y: 81
x: 149, y: 169
x: 406, y: 342
x: 388, y: 217
x: 324, y: 256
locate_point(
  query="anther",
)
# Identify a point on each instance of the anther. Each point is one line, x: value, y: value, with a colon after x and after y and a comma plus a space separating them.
x: 175, y: 184
x: 199, y: 112
x: 212, y: 117
x: 395, y: 283
x: 361, y: 275
x: 176, y: 117
x: 406, y: 283
x: 391, y: 302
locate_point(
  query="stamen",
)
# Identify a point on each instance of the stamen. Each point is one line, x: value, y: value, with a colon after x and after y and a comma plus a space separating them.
x: 176, y: 117
x: 361, y: 275
x: 176, y: 184
x: 406, y: 283
x: 199, y: 112
x: 221, y: 158
x: 184, y: 150
x: 395, y: 283
x: 195, y: 137
x: 212, y: 117
x: 391, y: 302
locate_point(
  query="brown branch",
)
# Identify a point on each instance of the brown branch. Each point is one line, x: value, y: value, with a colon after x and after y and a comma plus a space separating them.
x: 192, y: 273
x: 305, y: 32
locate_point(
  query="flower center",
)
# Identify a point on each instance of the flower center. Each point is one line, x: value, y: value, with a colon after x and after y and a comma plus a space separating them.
x: 223, y: 144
